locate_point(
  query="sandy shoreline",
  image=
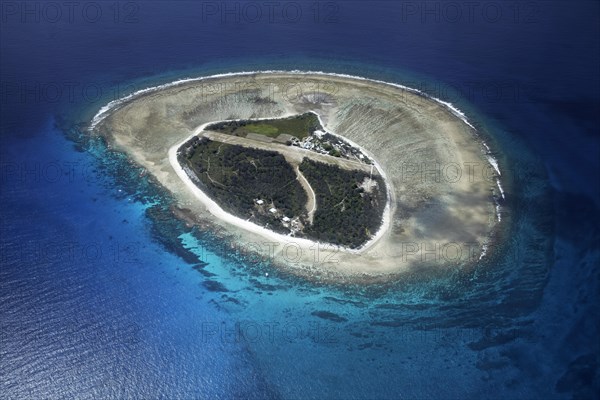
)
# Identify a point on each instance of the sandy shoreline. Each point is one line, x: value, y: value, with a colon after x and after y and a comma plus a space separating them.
x: 399, y: 128
x: 218, y: 212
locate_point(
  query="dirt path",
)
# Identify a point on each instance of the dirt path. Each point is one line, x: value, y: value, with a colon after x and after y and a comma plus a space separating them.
x: 294, y: 156
x: 311, y: 204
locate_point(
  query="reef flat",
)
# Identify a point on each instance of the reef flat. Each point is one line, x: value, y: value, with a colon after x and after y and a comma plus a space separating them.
x: 443, y: 188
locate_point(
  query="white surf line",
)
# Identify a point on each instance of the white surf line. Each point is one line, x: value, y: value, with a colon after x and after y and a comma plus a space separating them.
x: 100, y: 115
x: 483, y: 251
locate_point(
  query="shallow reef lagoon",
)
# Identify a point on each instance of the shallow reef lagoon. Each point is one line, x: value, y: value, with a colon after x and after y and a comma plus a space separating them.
x: 104, y: 295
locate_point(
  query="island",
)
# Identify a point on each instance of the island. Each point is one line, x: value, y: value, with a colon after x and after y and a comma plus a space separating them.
x: 289, y: 175
x: 330, y: 177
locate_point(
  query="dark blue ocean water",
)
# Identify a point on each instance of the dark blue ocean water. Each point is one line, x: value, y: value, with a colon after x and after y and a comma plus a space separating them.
x: 99, y: 297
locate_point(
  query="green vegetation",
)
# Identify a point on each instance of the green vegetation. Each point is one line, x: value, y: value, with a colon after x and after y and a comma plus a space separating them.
x: 299, y: 126
x: 249, y: 182
x: 263, y: 129
x: 236, y: 176
x: 347, y: 214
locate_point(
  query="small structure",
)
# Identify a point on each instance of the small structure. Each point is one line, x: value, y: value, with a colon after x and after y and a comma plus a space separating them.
x: 273, y: 210
x: 260, y: 202
x: 286, y: 219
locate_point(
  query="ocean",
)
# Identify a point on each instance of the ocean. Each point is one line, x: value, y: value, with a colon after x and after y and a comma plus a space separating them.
x: 104, y: 295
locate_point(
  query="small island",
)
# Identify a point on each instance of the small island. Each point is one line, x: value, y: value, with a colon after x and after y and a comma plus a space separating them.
x: 287, y: 175
x: 330, y: 177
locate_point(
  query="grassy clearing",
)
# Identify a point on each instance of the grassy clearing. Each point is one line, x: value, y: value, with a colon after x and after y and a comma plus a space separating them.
x: 299, y: 126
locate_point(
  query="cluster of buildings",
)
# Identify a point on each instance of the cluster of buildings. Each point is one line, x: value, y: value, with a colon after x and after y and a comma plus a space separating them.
x: 323, y: 144
x: 293, y: 224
